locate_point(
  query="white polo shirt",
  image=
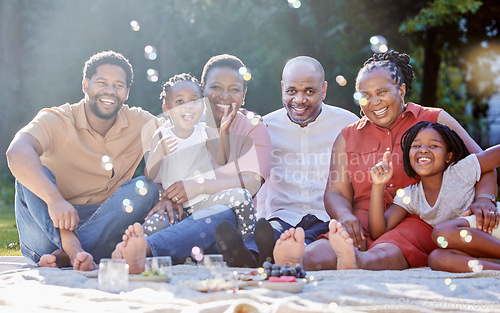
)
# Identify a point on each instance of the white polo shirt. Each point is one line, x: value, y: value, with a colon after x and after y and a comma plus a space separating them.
x: 300, y: 164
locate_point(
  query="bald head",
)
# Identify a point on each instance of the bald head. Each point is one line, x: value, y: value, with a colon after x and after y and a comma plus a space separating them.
x: 303, y: 89
x: 303, y: 63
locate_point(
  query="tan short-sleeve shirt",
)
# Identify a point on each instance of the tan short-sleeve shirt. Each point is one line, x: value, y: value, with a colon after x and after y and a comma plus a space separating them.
x: 74, y: 151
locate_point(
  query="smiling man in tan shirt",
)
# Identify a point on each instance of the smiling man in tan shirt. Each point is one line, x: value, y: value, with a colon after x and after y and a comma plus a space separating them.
x: 73, y: 166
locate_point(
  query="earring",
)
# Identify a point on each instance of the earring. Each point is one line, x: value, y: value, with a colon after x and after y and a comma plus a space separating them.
x: 243, y: 103
x: 361, y: 112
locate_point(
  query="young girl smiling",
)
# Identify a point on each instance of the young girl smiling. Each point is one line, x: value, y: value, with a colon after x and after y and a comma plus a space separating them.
x: 183, y: 149
x: 447, y: 174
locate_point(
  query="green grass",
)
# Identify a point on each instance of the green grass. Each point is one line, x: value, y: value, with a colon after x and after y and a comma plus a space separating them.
x: 9, y: 238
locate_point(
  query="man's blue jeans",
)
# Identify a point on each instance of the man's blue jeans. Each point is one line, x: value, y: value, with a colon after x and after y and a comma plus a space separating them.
x: 197, y: 230
x: 101, y: 227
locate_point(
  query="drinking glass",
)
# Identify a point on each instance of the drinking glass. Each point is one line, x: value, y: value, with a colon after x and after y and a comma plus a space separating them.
x: 113, y: 275
x: 161, y: 264
x: 215, y: 264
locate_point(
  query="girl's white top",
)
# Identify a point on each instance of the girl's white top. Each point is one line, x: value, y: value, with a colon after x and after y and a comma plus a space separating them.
x: 191, y: 160
x: 456, y: 194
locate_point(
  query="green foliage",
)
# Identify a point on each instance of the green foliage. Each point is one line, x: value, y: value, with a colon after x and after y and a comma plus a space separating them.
x: 452, y: 93
x: 7, y: 188
x: 9, y: 238
x: 439, y: 13
x: 44, y: 43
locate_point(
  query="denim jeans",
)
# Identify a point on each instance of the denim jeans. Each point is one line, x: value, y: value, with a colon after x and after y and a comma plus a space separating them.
x: 101, y: 227
x: 178, y: 240
x: 313, y: 227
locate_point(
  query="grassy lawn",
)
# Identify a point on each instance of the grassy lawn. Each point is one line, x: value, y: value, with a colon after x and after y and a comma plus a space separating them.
x: 9, y: 238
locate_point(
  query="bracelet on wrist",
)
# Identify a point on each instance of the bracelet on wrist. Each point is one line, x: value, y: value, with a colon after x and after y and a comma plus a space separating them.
x: 487, y: 196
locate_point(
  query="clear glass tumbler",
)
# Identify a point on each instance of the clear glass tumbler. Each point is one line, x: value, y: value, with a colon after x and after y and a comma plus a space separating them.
x: 113, y: 275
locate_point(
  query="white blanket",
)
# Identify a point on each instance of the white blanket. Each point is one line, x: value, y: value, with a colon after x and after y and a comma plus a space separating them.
x: 26, y: 288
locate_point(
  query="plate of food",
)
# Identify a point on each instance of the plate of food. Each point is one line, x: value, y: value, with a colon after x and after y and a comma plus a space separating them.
x: 153, y: 278
x: 284, y: 278
x: 288, y: 285
x: 215, y: 284
x: 150, y: 275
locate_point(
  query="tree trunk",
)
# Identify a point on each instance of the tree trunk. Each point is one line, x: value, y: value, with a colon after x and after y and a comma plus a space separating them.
x: 432, y: 60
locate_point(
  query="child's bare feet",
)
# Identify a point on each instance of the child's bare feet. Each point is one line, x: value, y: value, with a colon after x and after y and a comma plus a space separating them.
x: 343, y: 246
x: 58, y: 258
x: 289, y: 248
x: 134, y: 248
x: 84, y: 261
x: 48, y: 260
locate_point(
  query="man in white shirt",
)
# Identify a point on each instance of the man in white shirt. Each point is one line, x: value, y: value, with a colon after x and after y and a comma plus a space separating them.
x: 302, y: 135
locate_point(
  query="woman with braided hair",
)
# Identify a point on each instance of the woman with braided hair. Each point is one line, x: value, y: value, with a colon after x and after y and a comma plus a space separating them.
x: 383, y: 82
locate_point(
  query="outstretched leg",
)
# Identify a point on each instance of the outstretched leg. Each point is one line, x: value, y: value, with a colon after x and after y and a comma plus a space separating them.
x: 339, y: 253
x: 456, y: 261
x: 289, y: 248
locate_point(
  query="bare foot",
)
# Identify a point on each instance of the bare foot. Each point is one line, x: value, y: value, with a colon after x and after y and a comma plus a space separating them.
x: 343, y: 246
x: 84, y: 261
x: 134, y: 248
x: 56, y: 259
x: 48, y: 260
x: 289, y: 248
x: 118, y: 252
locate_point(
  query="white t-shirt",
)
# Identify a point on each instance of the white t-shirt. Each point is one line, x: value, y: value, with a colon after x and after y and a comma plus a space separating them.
x: 300, y: 164
x: 456, y: 194
x: 191, y: 160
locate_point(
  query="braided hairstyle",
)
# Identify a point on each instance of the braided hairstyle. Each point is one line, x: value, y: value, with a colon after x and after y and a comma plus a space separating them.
x: 183, y: 77
x: 395, y: 63
x: 454, y: 144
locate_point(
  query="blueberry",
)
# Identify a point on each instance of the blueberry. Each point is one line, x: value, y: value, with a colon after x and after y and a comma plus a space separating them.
x: 298, y: 267
x: 276, y: 267
x: 267, y: 271
x: 293, y: 272
x: 302, y: 274
x: 285, y: 271
x: 275, y: 273
x: 267, y: 265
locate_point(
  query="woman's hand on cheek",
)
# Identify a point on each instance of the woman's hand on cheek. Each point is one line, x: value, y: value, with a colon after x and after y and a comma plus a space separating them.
x: 228, y: 118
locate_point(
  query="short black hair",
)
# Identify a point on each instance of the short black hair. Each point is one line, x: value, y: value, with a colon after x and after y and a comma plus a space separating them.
x: 395, y: 63
x: 222, y: 60
x: 108, y: 57
x: 183, y: 77
x: 454, y: 144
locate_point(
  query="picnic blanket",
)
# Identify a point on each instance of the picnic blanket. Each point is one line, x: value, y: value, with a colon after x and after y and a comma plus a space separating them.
x: 27, y: 288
